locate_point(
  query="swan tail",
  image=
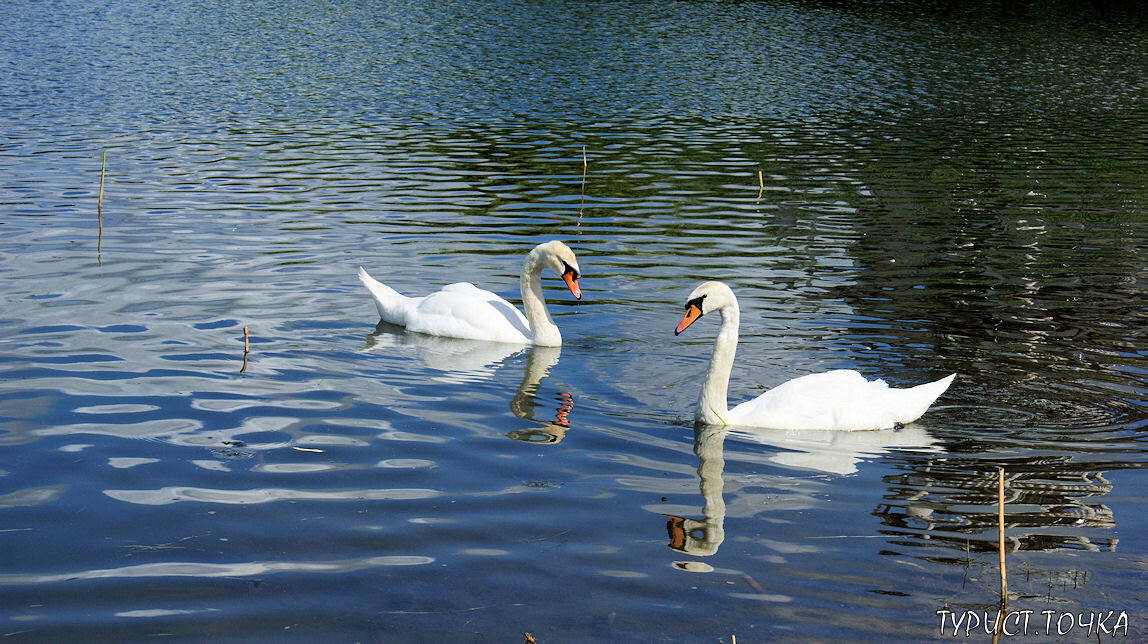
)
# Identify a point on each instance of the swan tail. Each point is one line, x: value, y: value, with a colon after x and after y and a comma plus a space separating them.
x: 393, y: 306
x: 917, y: 400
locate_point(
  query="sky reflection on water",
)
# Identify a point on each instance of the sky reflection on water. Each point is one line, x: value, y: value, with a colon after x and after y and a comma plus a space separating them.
x: 958, y: 190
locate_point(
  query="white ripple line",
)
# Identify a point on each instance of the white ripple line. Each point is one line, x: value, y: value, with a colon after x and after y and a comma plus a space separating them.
x: 242, y: 569
x: 177, y: 494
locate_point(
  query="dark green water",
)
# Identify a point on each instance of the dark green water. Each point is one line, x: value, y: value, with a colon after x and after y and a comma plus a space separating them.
x: 949, y: 187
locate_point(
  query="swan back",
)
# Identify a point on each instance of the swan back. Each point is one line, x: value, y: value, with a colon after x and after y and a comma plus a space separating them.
x: 462, y: 310
x: 840, y: 400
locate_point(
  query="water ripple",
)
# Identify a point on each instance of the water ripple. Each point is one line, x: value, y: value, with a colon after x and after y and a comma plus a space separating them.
x: 209, y: 570
x: 906, y: 193
x: 178, y: 494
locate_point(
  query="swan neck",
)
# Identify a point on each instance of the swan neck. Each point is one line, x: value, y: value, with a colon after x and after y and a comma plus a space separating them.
x: 543, y: 331
x: 712, y: 407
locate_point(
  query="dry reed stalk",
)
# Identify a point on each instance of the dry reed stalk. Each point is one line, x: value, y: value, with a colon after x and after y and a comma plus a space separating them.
x: 100, y: 207
x: 582, y: 192
x: 1000, y: 533
x: 246, y: 348
x: 100, y: 201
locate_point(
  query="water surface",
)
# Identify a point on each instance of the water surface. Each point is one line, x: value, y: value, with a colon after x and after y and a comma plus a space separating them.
x: 907, y: 193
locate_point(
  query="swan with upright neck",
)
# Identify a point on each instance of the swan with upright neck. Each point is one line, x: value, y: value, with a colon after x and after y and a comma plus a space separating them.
x: 463, y: 310
x: 842, y: 399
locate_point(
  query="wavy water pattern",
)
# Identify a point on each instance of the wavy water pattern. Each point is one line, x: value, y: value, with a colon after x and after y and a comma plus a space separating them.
x: 904, y: 191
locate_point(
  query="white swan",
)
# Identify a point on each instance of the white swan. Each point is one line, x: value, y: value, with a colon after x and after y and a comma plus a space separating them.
x: 463, y: 310
x: 841, y: 399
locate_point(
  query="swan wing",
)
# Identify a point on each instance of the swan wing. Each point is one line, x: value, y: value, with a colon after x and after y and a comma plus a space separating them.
x: 840, y: 400
x: 463, y: 310
x: 460, y: 310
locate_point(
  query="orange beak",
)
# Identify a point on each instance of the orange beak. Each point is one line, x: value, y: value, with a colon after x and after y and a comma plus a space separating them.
x: 691, y: 316
x: 571, y: 279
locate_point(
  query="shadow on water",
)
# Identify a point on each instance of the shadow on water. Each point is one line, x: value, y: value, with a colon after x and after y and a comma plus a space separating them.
x: 1041, y: 308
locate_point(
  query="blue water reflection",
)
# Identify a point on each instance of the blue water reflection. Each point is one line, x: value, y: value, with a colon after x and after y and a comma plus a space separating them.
x: 903, y: 191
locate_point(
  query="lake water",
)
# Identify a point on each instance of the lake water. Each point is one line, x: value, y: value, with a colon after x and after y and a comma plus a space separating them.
x: 954, y: 188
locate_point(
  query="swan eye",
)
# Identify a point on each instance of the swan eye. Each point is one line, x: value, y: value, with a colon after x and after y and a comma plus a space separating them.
x: 697, y: 301
x: 566, y: 268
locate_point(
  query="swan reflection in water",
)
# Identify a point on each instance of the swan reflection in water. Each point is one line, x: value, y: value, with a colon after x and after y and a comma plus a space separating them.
x: 701, y: 537
x: 830, y: 451
x: 460, y: 361
x: 538, y: 364
x: 836, y: 452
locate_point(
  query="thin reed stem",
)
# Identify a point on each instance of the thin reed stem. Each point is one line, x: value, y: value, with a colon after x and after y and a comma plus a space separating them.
x: 1000, y: 532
